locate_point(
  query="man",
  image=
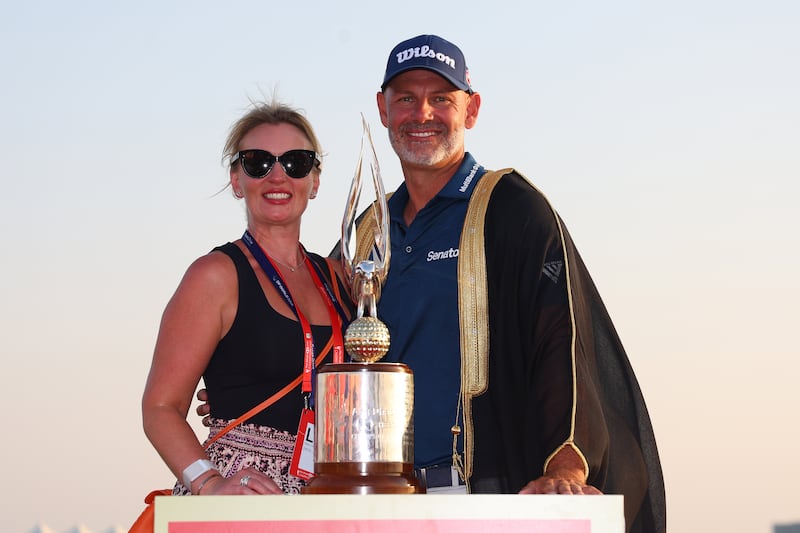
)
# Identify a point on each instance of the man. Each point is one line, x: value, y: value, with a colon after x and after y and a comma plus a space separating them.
x: 521, y: 382
x: 551, y: 405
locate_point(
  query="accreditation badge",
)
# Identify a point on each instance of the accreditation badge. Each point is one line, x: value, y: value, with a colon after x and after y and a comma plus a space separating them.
x: 302, y: 465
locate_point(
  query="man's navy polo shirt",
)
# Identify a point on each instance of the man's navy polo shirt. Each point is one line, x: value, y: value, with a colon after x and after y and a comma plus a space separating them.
x: 419, y: 304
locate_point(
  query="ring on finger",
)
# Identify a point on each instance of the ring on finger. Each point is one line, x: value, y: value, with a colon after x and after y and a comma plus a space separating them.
x: 244, y: 481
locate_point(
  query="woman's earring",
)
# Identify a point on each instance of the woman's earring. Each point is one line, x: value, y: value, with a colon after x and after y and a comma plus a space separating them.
x: 313, y: 195
x: 238, y: 194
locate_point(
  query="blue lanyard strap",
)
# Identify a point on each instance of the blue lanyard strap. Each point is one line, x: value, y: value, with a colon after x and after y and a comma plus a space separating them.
x: 333, y: 305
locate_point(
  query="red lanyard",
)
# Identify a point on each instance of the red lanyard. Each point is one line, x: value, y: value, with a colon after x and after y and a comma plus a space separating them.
x: 308, y: 339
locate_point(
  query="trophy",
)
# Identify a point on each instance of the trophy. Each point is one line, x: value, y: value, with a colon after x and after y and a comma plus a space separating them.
x: 364, y: 425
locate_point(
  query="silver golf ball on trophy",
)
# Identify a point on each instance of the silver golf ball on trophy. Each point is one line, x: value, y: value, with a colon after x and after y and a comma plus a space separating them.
x: 364, y: 424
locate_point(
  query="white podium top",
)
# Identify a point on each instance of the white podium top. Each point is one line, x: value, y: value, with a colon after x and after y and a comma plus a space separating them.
x: 501, y: 513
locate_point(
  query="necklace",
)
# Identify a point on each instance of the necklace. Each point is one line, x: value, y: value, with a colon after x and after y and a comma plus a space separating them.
x: 290, y: 267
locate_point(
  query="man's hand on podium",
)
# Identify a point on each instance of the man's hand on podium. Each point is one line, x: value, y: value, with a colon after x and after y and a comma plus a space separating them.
x: 565, y: 475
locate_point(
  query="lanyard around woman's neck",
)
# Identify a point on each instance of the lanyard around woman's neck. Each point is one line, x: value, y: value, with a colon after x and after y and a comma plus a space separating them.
x: 333, y: 306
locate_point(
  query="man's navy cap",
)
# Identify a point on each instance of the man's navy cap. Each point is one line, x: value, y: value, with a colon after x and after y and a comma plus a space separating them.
x: 429, y: 52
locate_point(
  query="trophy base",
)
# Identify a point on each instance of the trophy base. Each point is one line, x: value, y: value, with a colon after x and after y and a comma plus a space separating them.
x: 364, y: 478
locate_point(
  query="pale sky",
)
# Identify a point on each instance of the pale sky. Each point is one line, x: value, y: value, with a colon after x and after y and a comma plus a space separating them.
x: 667, y: 136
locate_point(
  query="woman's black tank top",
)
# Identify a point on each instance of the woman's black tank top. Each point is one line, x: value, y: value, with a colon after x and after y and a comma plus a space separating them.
x: 261, y: 354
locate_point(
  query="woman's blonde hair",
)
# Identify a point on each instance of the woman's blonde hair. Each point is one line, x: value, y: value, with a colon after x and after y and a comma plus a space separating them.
x: 269, y: 113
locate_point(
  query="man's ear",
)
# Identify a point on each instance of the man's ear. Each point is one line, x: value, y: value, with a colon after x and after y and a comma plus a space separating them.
x: 473, y: 107
x: 382, y: 108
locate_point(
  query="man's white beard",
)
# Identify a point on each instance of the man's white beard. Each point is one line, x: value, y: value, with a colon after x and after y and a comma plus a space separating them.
x: 424, y: 156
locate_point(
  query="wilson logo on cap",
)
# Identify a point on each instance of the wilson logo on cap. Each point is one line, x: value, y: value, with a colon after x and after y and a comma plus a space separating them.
x: 425, y: 51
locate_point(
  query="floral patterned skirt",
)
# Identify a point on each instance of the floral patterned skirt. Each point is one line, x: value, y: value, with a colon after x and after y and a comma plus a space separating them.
x: 266, y: 449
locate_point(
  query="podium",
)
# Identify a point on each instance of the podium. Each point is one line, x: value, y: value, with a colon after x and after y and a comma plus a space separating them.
x: 390, y: 513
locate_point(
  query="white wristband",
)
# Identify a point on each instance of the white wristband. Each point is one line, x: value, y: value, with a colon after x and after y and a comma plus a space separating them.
x: 195, y: 470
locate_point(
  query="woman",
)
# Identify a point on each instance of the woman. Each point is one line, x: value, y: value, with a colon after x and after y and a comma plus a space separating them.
x: 240, y: 317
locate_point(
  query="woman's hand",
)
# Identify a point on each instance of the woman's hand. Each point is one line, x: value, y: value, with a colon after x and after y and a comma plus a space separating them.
x: 248, y: 481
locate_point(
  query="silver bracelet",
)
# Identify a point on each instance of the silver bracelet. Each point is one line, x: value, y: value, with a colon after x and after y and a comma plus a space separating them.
x: 195, y: 470
x: 203, y: 483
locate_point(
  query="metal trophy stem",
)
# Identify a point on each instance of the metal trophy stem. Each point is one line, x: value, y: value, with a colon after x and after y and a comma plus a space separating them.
x: 364, y: 421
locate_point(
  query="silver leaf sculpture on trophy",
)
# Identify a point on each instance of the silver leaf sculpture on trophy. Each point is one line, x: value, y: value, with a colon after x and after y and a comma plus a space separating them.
x: 367, y: 338
x: 364, y: 423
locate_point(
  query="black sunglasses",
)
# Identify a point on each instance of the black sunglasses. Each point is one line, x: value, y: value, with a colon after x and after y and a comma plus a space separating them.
x: 257, y: 163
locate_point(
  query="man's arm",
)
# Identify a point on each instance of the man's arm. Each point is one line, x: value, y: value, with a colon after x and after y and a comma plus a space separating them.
x: 563, y: 434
